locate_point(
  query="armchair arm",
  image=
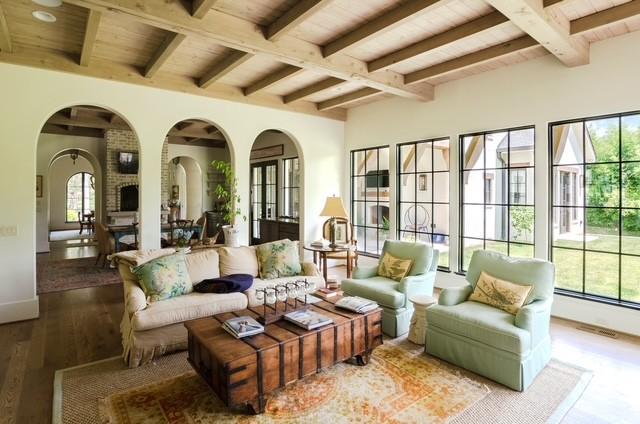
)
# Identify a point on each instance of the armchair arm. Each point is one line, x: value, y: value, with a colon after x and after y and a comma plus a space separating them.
x: 309, y: 269
x: 134, y: 298
x: 535, y: 318
x: 362, y: 272
x: 454, y: 295
x: 417, y: 284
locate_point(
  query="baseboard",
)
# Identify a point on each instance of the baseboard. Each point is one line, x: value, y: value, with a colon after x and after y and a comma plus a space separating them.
x: 19, y: 311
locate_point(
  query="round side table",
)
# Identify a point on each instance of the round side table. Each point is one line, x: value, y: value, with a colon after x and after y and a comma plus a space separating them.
x: 418, y: 328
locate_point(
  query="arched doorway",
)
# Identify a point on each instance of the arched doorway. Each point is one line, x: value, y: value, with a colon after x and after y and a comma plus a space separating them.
x: 276, y: 181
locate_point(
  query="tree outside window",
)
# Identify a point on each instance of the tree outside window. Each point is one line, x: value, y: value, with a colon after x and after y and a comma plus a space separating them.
x: 81, y: 195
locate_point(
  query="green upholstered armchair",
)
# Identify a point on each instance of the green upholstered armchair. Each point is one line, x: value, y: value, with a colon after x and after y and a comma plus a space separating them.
x: 393, y: 296
x: 509, y: 349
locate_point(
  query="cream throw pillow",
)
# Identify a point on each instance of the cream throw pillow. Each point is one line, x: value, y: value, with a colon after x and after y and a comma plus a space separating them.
x: 394, y: 268
x: 500, y: 293
x: 238, y: 260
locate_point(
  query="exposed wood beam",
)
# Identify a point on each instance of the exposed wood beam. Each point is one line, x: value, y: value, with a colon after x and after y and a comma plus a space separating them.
x: 80, y: 132
x: 200, y: 8
x: 363, y: 93
x: 223, y: 67
x: 293, y: 17
x: 90, y: 33
x: 605, y: 17
x: 180, y: 126
x: 384, y: 22
x: 240, y: 34
x: 468, y: 29
x: 216, y: 144
x: 5, y: 37
x: 73, y: 114
x: 471, y: 59
x: 312, y: 89
x: 280, y: 75
x: 548, y: 27
x: 166, y: 49
x: 549, y: 3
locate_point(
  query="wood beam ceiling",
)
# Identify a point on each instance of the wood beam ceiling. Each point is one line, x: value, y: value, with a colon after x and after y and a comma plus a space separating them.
x: 605, y: 17
x: 169, y: 45
x: 304, y: 9
x: 5, y: 37
x: 312, y: 89
x: 90, y: 34
x: 223, y: 67
x: 548, y: 27
x: 239, y: 34
x: 200, y: 8
x: 363, y: 93
x: 287, y: 71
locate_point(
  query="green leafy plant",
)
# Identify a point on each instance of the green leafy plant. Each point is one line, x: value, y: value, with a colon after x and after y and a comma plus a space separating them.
x: 385, y: 223
x: 522, y: 220
x: 228, y: 192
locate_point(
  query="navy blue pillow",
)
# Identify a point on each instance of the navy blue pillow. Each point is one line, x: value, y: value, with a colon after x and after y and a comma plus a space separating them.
x: 233, y: 283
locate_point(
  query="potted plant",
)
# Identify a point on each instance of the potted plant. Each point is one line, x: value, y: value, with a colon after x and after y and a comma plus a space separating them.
x: 228, y: 194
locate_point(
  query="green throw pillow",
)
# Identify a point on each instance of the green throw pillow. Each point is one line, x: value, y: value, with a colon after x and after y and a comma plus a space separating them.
x: 278, y: 259
x: 394, y: 268
x: 164, y: 278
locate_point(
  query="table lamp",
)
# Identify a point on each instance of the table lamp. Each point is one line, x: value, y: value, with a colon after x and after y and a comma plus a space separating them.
x: 334, y: 208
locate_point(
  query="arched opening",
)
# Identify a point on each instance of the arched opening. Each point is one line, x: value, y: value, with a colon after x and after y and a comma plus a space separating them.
x: 190, y: 205
x: 276, y: 181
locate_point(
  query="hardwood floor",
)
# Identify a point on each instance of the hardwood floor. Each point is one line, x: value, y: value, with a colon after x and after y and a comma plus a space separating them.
x: 81, y: 326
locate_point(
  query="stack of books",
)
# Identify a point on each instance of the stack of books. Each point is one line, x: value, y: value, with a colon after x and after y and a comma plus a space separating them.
x: 328, y: 293
x: 356, y: 304
x: 242, y: 327
x: 308, y: 319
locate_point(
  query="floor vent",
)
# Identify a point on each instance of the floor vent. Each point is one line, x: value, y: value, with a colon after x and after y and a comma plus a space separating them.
x: 599, y: 331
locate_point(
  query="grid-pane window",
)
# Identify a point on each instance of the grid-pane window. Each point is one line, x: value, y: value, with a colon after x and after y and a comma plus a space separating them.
x: 264, y: 195
x: 291, y: 188
x: 370, y: 198
x: 595, y: 199
x: 81, y: 196
x: 423, y: 194
x: 497, y: 192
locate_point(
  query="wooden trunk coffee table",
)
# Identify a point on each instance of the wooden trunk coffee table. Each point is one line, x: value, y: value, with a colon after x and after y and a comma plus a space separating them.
x: 245, y: 371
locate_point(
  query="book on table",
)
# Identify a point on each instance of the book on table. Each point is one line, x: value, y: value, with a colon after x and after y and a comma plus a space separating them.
x: 308, y: 319
x: 328, y: 293
x: 240, y: 327
x: 356, y: 304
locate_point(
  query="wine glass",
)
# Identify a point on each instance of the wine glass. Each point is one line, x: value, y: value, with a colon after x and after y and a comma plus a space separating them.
x: 260, y: 295
x: 292, y: 288
x: 310, y: 286
x: 281, y: 293
x: 270, y: 294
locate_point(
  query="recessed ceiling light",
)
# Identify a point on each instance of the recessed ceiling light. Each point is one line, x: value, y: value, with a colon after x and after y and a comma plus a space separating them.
x: 48, y: 3
x: 43, y: 16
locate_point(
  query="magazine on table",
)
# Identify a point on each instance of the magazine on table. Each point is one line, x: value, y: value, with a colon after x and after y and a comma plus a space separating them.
x: 308, y: 319
x: 242, y: 327
x: 356, y: 304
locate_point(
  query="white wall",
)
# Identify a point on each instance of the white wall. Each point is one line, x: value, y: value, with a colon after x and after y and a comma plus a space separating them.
x: 30, y: 96
x: 531, y: 93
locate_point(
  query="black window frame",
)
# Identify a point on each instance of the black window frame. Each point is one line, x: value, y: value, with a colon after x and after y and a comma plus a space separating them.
x: 66, y: 195
x: 253, y: 237
x: 291, y: 189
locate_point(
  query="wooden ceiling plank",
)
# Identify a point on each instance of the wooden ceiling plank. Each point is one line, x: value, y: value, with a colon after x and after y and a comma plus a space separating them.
x: 363, y: 93
x: 549, y: 27
x: 90, y: 33
x: 223, y: 67
x: 304, y: 9
x: 471, y: 59
x: 312, y: 89
x: 605, y: 17
x: 168, y: 47
x: 384, y: 22
x: 81, y: 132
x: 274, y: 77
x: 201, y: 7
x: 239, y: 34
x: 5, y: 36
x: 465, y: 30
x: 549, y: 3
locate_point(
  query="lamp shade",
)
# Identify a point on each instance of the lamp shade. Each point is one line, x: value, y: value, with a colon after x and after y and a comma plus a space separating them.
x: 333, y: 207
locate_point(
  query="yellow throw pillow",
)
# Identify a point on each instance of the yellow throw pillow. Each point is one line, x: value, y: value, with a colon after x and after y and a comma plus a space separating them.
x: 500, y: 293
x: 394, y: 268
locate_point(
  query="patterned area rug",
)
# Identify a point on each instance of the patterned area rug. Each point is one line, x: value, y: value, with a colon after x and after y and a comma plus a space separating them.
x: 69, y: 274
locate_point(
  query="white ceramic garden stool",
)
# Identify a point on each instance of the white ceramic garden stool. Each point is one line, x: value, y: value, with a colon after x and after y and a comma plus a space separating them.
x: 418, y: 328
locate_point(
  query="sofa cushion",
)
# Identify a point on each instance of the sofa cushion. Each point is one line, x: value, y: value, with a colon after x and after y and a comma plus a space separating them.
x: 482, y: 323
x: 394, y: 268
x: 258, y: 283
x: 164, y: 278
x: 499, y: 293
x: 278, y: 259
x: 233, y: 283
x: 238, y: 260
x: 379, y: 289
x: 185, y: 308
x: 203, y: 265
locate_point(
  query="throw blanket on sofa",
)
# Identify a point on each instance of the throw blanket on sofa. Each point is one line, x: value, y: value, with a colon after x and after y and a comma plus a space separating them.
x: 233, y: 283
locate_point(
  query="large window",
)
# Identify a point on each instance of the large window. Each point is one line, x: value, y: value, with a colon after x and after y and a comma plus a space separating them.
x: 81, y: 196
x: 264, y: 195
x: 291, y: 188
x: 497, y: 192
x: 370, y: 198
x: 423, y: 194
x: 595, y: 206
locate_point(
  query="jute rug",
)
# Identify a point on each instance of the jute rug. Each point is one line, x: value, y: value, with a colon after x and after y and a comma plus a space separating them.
x: 69, y: 274
x: 400, y: 385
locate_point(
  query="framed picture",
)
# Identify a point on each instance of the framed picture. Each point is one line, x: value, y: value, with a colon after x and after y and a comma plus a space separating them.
x: 341, y: 233
x: 422, y: 182
x: 175, y: 192
x: 267, y: 152
x: 38, y: 186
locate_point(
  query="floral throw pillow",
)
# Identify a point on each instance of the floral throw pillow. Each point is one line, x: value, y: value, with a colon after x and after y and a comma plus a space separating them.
x: 394, y: 268
x: 278, y: 259
x: 499, y: 293
x: 164, y: 278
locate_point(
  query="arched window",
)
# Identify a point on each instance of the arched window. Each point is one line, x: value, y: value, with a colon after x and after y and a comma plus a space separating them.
x: 81, y: 195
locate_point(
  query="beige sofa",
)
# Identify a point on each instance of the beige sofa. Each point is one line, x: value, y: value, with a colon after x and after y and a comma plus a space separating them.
x: 150, y: 330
